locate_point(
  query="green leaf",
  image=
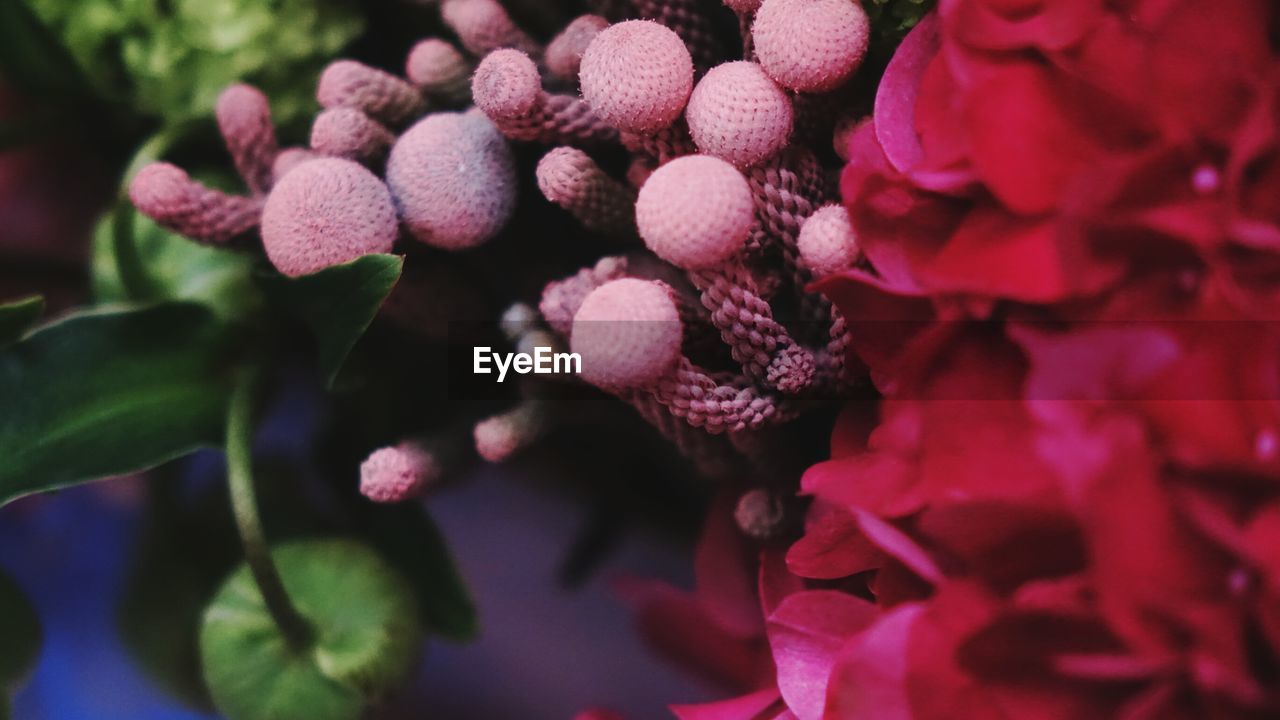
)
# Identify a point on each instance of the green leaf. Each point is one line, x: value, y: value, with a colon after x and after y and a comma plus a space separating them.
x: 17, y: 316
x: 367, y: 637
x: 406, y: 536
x: 33, y: 57
x: 19, y: 637
x: 337, y: 304
x: 109, y: 392
x: 166, y: 266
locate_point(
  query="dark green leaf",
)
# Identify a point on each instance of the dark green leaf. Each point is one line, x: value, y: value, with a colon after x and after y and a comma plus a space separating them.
x: 19, y: 637
x: 109, y: 392
x: 33, y: 58
x: 337, y: 304
x: 409, y: 539
x: 17, y: 316
x: 367, y: 637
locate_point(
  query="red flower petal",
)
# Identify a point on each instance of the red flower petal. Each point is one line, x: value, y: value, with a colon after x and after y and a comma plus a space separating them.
x: 806, y: 632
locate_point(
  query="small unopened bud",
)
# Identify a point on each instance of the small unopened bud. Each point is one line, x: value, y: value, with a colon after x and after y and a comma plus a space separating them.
x: 397, y: 473
x: 759, y: 514
x: 502, y: 436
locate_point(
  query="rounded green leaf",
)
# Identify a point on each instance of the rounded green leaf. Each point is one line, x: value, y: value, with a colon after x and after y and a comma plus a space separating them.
x: 366, y: 636
x: 19, y: 635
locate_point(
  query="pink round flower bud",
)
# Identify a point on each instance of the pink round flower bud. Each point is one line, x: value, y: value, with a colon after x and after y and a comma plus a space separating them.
x: 326, y: 212
x: 827, y: 242
x: 434, y: 65
x: 695, y: 212
x: 454, y: 180
x: 348, y: 133
x: 637, y: 76
x: 811, y: 45
x: 628, y: 334
x: 737, y: 113
x: 506, y: 85
x: 397, y: 473
x: 564, y: 53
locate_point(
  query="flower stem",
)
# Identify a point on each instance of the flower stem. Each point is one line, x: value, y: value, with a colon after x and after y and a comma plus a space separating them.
x: 244, y: 504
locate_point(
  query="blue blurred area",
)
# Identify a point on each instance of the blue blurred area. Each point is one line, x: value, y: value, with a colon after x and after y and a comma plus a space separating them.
x: 69, y: 553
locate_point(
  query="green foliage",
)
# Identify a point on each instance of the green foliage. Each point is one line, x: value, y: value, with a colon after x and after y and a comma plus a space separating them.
x: 173, y: 268
x: 17, y: 316
x: 366, y: 636
x: 20, y: 638
x: 336, y: 304
x: 891, y: 20
x: 172, y: 58
x: 109, y: 392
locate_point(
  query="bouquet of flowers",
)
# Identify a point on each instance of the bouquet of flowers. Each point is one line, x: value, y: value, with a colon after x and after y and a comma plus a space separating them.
x: 952, y: 318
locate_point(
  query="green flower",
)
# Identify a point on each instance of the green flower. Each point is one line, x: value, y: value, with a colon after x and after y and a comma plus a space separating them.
x: 171, y: 59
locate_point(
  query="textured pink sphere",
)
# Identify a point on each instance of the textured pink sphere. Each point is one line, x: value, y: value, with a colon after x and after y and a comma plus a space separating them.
x: 506, y: 85
x: 628, y: 334
x: 827, y: 242
x: 397, y: 473
x: 737, y: 113
x: 433, y: 62
x: 326, y: 212
x: 811, y: 45
x: 695, y: 212
x: 454, y: 180
x: 637, y: 76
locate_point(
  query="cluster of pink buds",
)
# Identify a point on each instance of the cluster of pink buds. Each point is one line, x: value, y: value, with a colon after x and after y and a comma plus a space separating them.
x: 728, y: 194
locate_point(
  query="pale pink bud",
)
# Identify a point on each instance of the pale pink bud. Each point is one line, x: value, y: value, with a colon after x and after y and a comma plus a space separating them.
x: 508, y: 89
x: 695, y: 212
x: 637, y: 76
x: 564, y: 53
x: 811, y: 45
x: 827, y: 242
x: 689, y: 21
x: 737, y: 113
x: 349, y: 133
x: 326, y: 212
x: 628, y: 333
x: 439, y: 70
x: 166, y: 194
x: 569, y: 178
x: 454, y: 180
x: 501, y: 436
x: 378, y: 94
x: 484, y: 26
x: 397, y: 473
x: 244, y: 118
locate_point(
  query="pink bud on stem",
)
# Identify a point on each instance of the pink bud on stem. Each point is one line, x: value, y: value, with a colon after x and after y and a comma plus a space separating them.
x: 244, y: 119
x: 484, y: 26
x: 166, y: 194
x: 569, y: 178
x: 399, y: 472
x: 440, y: 71
x: 376, y: 93
x: 628, y: 333
x: 348, y: 133
x: 564, y: 53
x: 508, y: 89
x: 697, y: 213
